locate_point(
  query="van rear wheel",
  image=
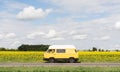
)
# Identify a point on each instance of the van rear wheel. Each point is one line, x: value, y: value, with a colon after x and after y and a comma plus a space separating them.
x: 71, y: 60
x: 51, y: 60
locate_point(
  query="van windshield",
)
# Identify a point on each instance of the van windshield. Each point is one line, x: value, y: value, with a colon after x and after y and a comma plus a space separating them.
x: 50, y: 50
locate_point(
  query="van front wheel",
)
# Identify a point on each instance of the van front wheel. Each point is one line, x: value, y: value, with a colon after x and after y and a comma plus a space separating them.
x: 51, y: 60
x: 71, y: 60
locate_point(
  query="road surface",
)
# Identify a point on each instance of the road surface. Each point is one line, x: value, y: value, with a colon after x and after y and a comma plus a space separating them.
x: 59, y: 64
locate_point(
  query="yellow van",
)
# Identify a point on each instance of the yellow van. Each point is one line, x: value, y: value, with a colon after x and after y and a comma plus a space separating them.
x: 61, y: 52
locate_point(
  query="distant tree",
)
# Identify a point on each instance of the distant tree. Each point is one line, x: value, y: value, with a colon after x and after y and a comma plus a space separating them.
x: 94, y: 49
x: 117, y: 50
x: 102, y: 50
x: 99, y: 50
x: 2, y: 49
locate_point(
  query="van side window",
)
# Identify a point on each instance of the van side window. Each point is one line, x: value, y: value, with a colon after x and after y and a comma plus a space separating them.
x: 60, y: 50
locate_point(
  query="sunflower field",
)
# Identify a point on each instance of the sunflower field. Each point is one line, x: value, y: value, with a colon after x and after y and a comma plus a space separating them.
x: 99, y: 57
x: 36, y: 56
x: 21, y: 56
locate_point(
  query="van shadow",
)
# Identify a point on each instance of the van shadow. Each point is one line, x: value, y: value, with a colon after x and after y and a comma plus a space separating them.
x: 62, y: 62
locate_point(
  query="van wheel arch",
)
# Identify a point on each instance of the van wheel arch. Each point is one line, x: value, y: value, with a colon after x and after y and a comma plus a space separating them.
x: 71, y: 60
x: 51, y: 60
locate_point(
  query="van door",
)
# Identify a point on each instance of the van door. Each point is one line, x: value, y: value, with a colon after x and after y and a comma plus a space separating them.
x: 60, y: 53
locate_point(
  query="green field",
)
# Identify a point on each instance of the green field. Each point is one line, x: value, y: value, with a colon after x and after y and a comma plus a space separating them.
x: 36, y: 56
x: 59, y: 69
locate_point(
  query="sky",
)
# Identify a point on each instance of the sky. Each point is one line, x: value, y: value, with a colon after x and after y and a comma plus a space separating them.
x: 83, y: 23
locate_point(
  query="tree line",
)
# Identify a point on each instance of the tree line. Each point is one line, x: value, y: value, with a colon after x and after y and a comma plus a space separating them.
x: 41, y: 47
x: 25, y: 47
x: 101, y: 50
x: 33, y: 47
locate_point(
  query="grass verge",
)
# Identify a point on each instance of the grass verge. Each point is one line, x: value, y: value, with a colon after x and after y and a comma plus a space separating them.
x: 60, y: 69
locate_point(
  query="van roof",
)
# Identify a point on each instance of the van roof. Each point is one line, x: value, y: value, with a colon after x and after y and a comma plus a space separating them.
x: 62, y: 47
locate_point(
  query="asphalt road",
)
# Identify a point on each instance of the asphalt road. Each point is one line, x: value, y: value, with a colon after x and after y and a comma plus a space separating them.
x: 59, y: 64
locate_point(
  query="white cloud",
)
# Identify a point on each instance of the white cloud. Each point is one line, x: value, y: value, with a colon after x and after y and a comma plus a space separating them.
x: 117, y: 45
x: 102, y: 38
x: 16, y: 43
x: 117, y: 25
x: 1, y: 36
x: 10, y: 35
x: 105, y: 38
x: 52, y: 33
x: 34, y: 34
x: 72, y: 32
x: 32, y: 13
x: 7, y: 36
x: 57, y: 38
x: 79, y: 37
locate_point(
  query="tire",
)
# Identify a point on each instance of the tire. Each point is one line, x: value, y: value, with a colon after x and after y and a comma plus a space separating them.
x: 71, y: 60
x: 51, y: 60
